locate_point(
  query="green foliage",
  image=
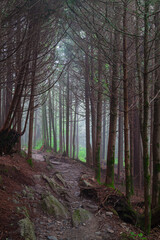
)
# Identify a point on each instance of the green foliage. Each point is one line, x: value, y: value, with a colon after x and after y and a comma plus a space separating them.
x: 5, y: 170
x: 71, y: 2
x: 132, y: 235
x: 107, y: 66
x: 30, y: 162
x: 38, y: 144
x: 82, y: 154
x: 48, y: 150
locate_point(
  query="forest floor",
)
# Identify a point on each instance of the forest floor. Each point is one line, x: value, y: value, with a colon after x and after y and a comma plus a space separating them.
x: 23, y: 188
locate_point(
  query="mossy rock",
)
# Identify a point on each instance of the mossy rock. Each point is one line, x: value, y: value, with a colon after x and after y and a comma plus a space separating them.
x: 52, y: 206
x: 27, y: 229
x: 80, y: 216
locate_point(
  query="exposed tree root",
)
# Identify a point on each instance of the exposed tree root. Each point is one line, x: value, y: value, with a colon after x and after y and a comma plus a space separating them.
x: 108, y: 197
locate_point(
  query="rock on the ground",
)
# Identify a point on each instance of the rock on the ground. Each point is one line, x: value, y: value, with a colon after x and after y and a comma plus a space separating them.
x: 51, y: 238
x: 27, y: 229
x: 110, y: 230
x: 52, y: 206
x: 54, y: 185
x: 109, y: 214
x: 61, y: 179
x: 80, y: 216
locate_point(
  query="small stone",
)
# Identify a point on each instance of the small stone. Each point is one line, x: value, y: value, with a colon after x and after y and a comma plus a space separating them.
x: 98, y: 233
x: 37, y: 177
x: 52, y: 238
x: 98, y: 238
x: 124, y: 226
x: 110, y: 230
x: 15, y: 201
x: 109, y: 214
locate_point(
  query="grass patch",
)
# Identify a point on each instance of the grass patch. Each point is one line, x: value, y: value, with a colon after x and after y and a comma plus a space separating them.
x: 38, y: 145
x: 82, y: 154
x: 30, y: 162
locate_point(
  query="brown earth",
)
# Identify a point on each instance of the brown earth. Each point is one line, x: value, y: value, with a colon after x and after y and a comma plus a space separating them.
x: 21, y: 190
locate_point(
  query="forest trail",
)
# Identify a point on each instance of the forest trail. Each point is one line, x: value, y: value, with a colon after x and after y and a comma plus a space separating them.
x: 99, y: 226
x: 24, y: 190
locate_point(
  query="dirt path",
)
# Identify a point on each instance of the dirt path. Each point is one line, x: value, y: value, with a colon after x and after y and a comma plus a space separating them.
x: 100, y: 226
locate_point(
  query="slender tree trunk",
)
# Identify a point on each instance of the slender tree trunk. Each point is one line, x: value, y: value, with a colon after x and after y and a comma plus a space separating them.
x: 35, y: 129
x: 104, y: 130
x: 77, y: 137
x: 120, y: 138
x: 88, y: 146
x: 51, y: 107
x: 46, y: 123
x: 60, y: 119
x: 156, y: 125
x: 55, y: 109
x: 31, y: 104
x: 125, y: 92
x: 63, y: 136
x: 67, y: 116
x: 146, y: 166
x: 99, y: 121
x: 43, y: 127
x: 50, y: 127
x: 139, y: 74
x: 71, y: 125
x: 74, y: 129
x: 113, y: 110
x: 93, y: 108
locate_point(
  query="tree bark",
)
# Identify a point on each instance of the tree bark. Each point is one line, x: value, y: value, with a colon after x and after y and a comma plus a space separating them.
x: 120, y: 138
x: 99, y: 121
x: 60, y: 119
x: 113, y: 110
x: 104, y: 130
x: 156, y: 125
x: 67, y: 116
x: 147, y: 196
x: 74, y: 128
x: 87, y: 94
x: 125, y: 93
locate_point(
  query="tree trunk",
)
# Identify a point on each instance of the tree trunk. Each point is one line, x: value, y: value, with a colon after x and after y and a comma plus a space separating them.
x: 31, y: 104
x: 113, y: 110
x: 74, y: 128
x: 67, y: 116
x: 51, y: 107
x: 35, y: 129
x: 60, y: 119
x: 77, y: 135
x: 63, y: 125
x: 93, y: 108
x: 87, y: 94
x: 104, y: 130
x: 99, y: 121
x: 120, y: 139
x: 71, y: 125
x: 146, y: 166
x: 156, y: 125
x: 125, y: 93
